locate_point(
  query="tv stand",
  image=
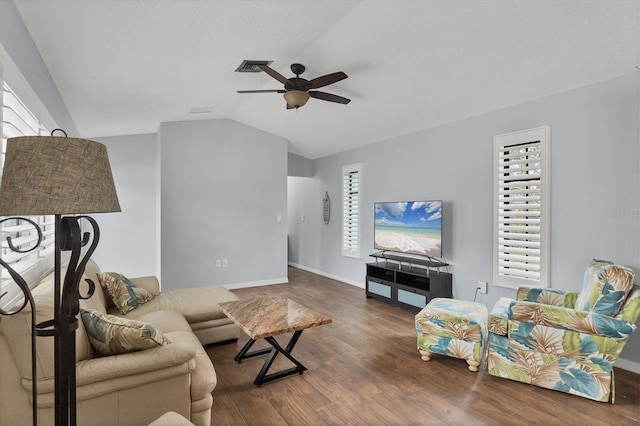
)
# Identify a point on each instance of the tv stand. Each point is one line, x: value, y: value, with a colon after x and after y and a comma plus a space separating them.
x: 407, y: 282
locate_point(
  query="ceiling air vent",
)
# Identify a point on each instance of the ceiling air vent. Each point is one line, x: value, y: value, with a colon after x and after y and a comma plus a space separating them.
x: 251, y: 66
x: 202, y: 110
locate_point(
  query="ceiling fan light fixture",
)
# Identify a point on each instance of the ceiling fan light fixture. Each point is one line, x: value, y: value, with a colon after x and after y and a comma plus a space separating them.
x: 296, y: 98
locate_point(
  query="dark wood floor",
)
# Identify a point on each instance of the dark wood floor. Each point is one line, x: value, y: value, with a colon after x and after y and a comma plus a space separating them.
x: 364, y: 369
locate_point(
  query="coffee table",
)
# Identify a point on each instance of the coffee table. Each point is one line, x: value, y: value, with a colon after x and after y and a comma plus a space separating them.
x: 265, y: 317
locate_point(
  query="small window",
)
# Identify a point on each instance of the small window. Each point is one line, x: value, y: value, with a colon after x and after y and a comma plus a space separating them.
x: 521, y: 208
x: 351, y: 186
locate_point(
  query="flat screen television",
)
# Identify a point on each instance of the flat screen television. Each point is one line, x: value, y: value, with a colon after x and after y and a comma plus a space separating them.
x: 411, y: 227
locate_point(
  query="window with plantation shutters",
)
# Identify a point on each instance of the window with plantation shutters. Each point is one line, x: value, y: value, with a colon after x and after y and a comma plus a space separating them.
x: 17, y: 119
x: 351, y: 186
x: 521, y: 207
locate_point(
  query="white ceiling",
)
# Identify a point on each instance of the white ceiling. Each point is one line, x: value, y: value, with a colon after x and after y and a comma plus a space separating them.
x: 123, y: 67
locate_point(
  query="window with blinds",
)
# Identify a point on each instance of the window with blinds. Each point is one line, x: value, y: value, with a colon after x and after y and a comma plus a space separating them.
x: 351, y: 186
x: 521, y: 206
x: 18, y: 120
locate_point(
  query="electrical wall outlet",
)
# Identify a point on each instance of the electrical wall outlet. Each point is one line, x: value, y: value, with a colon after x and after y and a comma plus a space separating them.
x: 225, y: 263
x: 482, y: 286
x: 218, y: 263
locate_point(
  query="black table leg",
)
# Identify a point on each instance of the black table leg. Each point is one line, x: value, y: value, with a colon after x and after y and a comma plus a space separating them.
x: 263, y: 377
x: 243, y: 352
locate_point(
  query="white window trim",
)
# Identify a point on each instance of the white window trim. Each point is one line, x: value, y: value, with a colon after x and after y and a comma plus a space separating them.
x: 346, y: 250
x: 36, y: 264
x: 500, y: 277
x: 10, y: 73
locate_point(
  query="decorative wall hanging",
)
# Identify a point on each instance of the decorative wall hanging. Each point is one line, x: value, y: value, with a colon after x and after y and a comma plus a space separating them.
x: 326, y: 208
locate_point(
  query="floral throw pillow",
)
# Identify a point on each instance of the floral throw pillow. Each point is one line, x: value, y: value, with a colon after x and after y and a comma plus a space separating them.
x: 112, y: 335
x: 125, y: 294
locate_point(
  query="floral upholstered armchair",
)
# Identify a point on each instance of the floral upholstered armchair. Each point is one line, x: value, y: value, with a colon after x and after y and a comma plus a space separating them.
x: 566, y: 341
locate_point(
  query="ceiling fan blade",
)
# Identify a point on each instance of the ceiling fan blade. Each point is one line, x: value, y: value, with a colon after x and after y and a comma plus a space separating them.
x: 328, y: 97
x: 275, y: 74
x: 262, y: 91
x: 328, y: 79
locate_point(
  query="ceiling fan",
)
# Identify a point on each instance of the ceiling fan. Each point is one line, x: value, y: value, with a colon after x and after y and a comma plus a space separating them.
x: 297, y: 90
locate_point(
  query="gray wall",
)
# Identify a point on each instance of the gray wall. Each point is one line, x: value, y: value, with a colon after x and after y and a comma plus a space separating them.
x: 299, y: 166
x: 195, y: 192
x: 129, y: 240
x: 595, y: 189
x: 223, y: 188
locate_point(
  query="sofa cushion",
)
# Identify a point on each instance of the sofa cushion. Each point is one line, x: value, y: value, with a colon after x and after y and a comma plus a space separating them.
x: 453, y: 319
x: 17, y: 330
x: 197, y: 304
x: 165, y: 321
x: 100, y: 299
x: 112, y: 335
x: 125, y: 294
x: 547, y: 296
x: 605, y: 288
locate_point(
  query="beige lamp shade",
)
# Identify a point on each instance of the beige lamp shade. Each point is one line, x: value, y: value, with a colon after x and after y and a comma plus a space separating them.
x: 56, y: 175
x: 296, y: 98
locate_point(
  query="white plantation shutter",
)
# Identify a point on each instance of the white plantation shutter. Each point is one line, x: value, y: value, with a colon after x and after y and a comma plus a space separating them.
x: 16, y: 119
x: 521, y: 206
x: 351, y: 185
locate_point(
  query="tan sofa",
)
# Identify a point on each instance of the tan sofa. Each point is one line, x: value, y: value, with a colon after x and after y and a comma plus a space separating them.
x: 127, y: 389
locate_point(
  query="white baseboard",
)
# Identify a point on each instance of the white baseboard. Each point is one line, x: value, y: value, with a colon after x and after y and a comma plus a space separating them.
x: 325, y: 274
x: 286, y: 280
x: 256, y: 283
x: 628, y: 365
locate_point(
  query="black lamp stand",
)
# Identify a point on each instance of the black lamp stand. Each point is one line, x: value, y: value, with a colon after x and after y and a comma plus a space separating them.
x: 68, y: 237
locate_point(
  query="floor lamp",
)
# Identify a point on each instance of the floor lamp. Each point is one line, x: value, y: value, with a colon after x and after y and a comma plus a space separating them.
x: 48, y: 175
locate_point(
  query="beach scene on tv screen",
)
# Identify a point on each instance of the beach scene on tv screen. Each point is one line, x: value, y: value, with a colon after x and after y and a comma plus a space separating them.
x: 413, y: 227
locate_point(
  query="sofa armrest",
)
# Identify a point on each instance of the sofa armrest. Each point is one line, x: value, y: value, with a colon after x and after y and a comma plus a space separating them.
x: 570, y: 319
x: 149, y: 360
x: 122, y: 371
x: 630, y: 310
x: 547, y: 296
x: 149, y: 283
x: 499, y: 317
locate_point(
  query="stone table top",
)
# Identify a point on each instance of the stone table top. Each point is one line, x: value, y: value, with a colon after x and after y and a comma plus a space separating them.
x: 266, y: 316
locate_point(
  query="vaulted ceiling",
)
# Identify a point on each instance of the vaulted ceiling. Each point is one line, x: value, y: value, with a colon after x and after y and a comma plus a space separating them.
x: 123, y: 67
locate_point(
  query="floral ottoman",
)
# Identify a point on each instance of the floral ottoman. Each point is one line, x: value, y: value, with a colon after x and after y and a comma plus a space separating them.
x: 456, y: 328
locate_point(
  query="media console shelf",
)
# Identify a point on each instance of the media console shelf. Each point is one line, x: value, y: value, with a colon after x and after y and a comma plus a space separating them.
x: 407, y: 282
x: 430, y: 263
